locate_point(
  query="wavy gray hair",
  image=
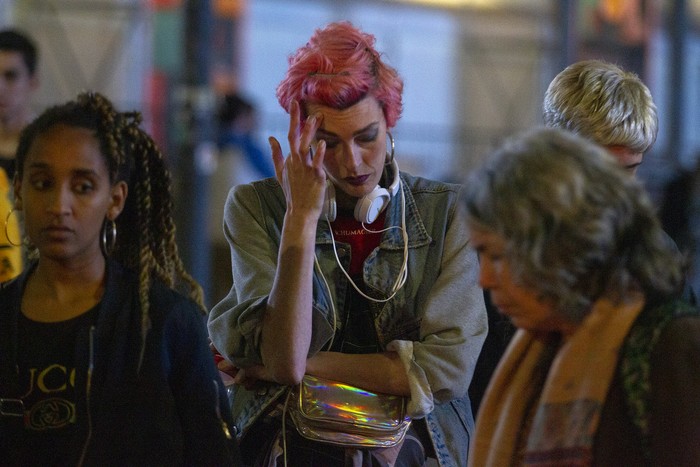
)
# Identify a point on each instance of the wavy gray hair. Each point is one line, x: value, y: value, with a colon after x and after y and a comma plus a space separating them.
x: 576, y: 226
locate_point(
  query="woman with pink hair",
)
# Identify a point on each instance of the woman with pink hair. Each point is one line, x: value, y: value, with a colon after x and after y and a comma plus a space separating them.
x: 347, y: 270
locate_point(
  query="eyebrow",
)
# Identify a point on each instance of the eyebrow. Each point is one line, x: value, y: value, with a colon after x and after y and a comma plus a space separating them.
x: 79, y: 172
x: 371, y: 126
x: 38, y: 165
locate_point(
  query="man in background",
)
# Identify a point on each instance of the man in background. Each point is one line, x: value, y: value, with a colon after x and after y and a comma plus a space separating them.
x: 18, y: 81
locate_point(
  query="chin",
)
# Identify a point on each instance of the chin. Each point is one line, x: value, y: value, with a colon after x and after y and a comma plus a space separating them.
x: 355, y: 191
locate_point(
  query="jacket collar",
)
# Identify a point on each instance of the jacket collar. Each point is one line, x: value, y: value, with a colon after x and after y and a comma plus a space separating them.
x: 392, y: 239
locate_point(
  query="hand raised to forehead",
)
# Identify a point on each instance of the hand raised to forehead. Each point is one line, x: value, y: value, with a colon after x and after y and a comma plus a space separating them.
x: 301, y: 174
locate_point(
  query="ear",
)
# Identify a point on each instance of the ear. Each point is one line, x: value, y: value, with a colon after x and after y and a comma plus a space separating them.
x: 17, y: 189
x: 34, y: 81
x: 118, y: 198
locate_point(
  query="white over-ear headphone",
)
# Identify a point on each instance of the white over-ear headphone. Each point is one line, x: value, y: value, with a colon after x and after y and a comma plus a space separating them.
x: 367, y: 208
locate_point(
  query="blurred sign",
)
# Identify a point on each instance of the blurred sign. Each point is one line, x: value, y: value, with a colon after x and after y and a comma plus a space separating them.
x: 229, y: 8
x: 165, y: 4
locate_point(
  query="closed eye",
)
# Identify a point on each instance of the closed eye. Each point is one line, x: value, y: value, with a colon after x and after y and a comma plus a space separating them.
x: 330, y: 142
x: 368, y: 137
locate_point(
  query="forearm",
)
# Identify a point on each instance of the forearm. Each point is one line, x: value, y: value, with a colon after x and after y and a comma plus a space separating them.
x: 378, y: 372
x: 286, y: 331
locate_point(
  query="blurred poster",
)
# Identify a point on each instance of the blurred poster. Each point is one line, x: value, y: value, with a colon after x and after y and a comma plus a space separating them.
x: 616, y: 30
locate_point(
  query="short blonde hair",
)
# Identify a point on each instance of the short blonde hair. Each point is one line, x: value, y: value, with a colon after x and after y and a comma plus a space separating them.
x: 604, y: 103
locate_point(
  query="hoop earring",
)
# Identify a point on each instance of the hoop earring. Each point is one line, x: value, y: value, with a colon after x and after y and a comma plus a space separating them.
x: 7, y: 233
x: 391, y: 155
x: 108, y: 248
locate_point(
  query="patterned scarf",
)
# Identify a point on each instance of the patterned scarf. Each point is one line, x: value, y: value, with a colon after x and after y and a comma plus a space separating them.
x: 553, y: 422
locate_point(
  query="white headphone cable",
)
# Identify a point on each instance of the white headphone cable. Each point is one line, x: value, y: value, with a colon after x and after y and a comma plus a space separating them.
x: 403, y: 272
x: 330, y: 299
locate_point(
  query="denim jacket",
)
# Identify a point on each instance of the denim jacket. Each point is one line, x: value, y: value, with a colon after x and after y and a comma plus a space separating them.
x: 436, y: 322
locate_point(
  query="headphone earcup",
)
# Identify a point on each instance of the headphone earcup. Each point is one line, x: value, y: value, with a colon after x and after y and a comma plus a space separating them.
x: 329, y: 210
x: 371, y: 205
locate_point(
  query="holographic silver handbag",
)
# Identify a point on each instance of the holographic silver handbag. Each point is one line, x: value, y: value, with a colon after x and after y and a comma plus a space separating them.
x: 336, y: 413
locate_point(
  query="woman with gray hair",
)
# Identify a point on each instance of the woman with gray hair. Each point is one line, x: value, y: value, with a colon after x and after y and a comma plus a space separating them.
x: 603, y: 368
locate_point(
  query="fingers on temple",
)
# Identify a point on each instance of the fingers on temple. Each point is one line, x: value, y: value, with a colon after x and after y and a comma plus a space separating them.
x: 319, y: 155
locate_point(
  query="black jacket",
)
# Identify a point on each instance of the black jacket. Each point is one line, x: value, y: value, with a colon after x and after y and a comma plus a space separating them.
x: 173, y: 410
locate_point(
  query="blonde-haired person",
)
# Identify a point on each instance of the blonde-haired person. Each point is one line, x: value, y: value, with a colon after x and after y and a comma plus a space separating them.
x: 609, y: 106
x: 104, y: 357
x: 604, y: 367
x: 606, y: 104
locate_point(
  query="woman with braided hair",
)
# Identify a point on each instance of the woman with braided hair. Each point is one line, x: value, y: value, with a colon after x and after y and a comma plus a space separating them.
x: 104, y: 357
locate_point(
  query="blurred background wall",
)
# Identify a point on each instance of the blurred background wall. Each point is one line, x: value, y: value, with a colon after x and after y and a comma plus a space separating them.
x: 475, y: 71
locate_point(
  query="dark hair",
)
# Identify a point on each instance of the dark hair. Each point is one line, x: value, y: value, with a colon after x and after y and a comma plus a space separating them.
x: 232, y: 107
x: 12, y: 40
x: 146, y: 240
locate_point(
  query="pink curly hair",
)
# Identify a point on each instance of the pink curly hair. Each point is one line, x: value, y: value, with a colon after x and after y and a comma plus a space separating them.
x: 337, y: 68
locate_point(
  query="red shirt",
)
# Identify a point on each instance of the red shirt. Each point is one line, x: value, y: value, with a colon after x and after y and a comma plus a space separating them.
x: 347, y: 229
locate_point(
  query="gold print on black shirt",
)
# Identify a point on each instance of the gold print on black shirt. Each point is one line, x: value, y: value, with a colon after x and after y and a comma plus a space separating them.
x: 49, y: 401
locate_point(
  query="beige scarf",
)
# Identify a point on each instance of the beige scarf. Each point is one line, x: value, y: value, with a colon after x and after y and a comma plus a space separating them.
x: 566, y: 402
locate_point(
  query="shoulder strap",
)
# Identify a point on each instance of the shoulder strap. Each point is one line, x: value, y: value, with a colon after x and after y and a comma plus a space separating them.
x: 635, y: 364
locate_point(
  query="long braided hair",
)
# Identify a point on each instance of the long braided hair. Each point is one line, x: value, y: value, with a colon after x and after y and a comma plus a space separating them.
x: 146, y: 240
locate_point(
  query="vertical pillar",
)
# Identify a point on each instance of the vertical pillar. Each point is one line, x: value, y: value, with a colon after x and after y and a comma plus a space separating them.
x: 194, y: 101
x: 566, y: 19
x: 677, y: 22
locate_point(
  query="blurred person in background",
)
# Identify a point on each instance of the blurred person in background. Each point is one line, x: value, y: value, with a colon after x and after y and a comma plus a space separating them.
x: 238, y: 120
x: 18, y: 82
x: 10, y: 235
x: 240, y: 160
